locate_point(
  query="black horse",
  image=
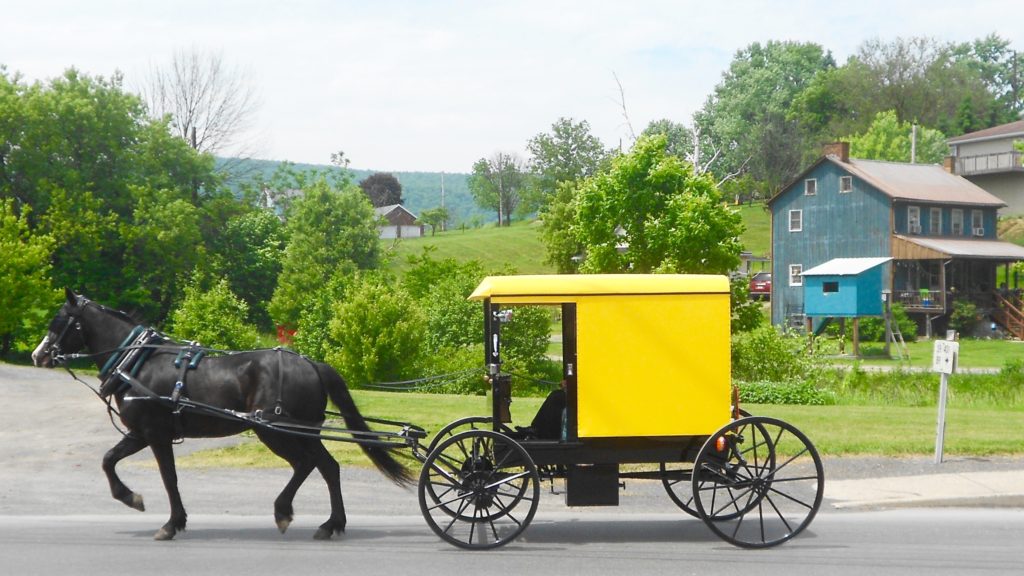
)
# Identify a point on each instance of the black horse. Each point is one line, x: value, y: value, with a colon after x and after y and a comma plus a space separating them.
x: 265, y: 382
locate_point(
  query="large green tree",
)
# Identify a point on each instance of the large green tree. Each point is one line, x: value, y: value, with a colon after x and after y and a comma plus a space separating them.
x: 747, y: 117
x: 651, y: 213
x: 889, y: 139
x: 497, y: 183
x: 249, y: 254
x: 382, y: 188
x: 328, y: 230
x: 26, y: 297
x: 567, y: 153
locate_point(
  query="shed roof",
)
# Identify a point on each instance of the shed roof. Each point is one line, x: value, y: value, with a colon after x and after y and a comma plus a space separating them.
x: 845, y: 266
x: 598, y: 285
x: 385, y: 210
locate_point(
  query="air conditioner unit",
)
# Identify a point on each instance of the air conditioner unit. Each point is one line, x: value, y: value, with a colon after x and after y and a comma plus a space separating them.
x: 979, y: 231
x: 915, y: 229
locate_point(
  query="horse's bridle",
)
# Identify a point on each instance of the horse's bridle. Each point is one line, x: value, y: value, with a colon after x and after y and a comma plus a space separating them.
x: 53, y: 349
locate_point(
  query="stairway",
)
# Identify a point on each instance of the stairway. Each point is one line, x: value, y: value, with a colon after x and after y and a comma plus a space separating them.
x: 1009, y: 313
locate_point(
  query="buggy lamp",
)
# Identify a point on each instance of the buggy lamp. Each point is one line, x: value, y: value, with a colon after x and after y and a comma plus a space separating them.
x: 720, y: 444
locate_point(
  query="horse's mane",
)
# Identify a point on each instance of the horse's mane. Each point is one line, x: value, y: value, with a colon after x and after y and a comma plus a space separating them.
x: 130, y: 318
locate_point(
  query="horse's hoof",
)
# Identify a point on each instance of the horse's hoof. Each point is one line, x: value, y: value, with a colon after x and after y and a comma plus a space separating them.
x: 136, y: 503
x: 283, y: 524
x: 323, y: 534
x: 163, y: 534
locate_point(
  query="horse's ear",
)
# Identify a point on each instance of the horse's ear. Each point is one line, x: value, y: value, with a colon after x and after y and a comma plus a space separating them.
x: 71, y: 296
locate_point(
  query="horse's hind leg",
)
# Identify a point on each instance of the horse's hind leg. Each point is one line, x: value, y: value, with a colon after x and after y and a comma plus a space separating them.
x: 331, y: 472
x: 164, y: 453
x: 295, y: 452
x: 128, y: 445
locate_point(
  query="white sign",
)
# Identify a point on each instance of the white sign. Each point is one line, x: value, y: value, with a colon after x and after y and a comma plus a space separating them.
x: 944, y: 356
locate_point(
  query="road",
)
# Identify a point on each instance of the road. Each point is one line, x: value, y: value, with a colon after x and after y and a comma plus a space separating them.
x: 934, y: 542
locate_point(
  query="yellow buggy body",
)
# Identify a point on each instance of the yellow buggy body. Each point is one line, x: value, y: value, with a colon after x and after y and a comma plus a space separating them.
x: 651, y: 352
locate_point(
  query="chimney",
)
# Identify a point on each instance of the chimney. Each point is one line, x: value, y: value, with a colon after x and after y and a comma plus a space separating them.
x: 949, y: 164
x: 838, y: 150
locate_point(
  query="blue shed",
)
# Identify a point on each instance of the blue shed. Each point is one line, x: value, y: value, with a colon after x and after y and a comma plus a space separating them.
x: 844, y: 288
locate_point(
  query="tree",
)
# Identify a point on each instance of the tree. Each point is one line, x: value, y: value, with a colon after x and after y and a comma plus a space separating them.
x: 379, y: 329
x: 435, y: 217
x: 1000, y: 67
x: 382, y: 188
x: 249, y: 254
x: 26, y: 296
x: 747, y: 117
x: 209, y: 103
x: 566, y: 154
x: 328, y: 231
x: 678, y: 138
x: 561, y: 247
x: 497, y: 183
x: 889, y: 139
x: 215, y: 318
x: 650, y: 213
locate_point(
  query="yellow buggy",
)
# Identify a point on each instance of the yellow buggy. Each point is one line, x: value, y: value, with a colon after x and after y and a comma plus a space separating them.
x: 647, y: 394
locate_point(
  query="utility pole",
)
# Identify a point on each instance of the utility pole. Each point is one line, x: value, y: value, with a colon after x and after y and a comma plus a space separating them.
x: 913, y: 144
x: 443, y: 222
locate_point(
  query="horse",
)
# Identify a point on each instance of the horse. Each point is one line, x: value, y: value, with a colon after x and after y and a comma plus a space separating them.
x: 272, y: 382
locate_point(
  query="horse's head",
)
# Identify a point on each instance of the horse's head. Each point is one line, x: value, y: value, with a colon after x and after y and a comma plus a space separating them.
x: 65, y: 334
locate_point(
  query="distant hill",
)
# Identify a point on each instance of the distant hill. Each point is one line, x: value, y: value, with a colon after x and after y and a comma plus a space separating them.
x: 421, y: 190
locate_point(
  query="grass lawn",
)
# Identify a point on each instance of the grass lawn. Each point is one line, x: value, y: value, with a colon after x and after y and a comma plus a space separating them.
x: 757, y: 238
x: 974, y: 353
x: 834, y: 430
x: 518, y: 246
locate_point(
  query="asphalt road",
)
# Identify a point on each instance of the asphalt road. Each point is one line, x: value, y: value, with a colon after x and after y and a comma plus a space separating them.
x: 56, y: 517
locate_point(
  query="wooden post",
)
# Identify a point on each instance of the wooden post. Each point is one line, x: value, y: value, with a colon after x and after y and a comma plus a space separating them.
x: 856, y: 337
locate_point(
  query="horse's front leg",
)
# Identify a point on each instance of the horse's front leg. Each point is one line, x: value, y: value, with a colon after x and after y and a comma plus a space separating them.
x: 128, y: 445
x: 164, y: 454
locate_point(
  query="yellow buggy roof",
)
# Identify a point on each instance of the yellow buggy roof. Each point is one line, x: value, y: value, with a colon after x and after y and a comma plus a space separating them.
x: 557, y: 287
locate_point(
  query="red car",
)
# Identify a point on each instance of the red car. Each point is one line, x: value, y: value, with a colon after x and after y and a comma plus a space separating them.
x: 761, y: 286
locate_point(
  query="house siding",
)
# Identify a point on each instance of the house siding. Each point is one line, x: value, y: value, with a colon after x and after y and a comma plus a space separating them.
x: 901, y: 210
x: 835, y: 225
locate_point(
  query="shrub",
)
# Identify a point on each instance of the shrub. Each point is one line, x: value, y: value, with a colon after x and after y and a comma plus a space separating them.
x: 793, y: 392
x: 215, y: 318
x: 768, y: 354
x: 964, y: 317
x: 379, y: 333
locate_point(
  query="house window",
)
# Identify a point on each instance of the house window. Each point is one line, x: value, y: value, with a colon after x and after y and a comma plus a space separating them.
x: 830, y: 287
x: 795, y: 275
x: 796, y: 220
x: 956, y: 222
x: 935, y: 221
x: 845, y: 184
x: 914, y: 219
x: 810, y: 187
x: 977, y: 223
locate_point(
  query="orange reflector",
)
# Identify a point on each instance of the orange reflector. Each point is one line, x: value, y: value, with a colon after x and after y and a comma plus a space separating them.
x: 720, y: 443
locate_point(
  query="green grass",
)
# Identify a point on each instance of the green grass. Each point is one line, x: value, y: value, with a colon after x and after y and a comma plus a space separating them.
x: 757, y: 238
x: 974, y: 353
x: 834, y: 430
x: 518, y: 246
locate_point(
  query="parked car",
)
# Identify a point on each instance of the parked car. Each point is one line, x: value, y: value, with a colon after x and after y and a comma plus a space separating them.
x: 761, y: 286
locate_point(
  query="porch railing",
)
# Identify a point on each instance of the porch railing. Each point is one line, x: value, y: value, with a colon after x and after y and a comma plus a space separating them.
x: 989, y: 163
x: 1009, y: 312
x: 920, y: 300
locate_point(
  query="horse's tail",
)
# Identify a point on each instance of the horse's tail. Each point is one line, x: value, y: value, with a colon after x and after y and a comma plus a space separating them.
x: 381, y: 457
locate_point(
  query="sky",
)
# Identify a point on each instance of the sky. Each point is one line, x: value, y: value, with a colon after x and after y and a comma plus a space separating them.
x: 436, y: 85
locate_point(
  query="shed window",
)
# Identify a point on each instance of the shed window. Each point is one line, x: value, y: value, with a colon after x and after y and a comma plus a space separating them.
x: 845, y: 184
x: 796, y: 275
x: 810, y: 187
x: 829, y: 287
x: 796, y: 220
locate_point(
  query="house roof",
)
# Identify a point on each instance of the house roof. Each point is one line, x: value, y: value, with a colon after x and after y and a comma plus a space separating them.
x: 911, y: 182
x: 385, y: 210
x: 1002, y: 131
x: 956, y: 248
x: 845, y: 266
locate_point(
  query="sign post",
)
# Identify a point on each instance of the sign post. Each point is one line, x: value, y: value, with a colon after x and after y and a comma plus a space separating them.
x: 944, y: 357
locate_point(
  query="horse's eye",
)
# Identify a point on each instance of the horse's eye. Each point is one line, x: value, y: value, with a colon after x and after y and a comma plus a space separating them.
x: 56, y: 323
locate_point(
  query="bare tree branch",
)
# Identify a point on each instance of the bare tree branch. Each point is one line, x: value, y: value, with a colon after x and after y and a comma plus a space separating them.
x: 622, y: 103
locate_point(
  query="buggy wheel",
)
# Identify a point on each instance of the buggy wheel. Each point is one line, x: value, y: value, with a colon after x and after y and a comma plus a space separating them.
x: 757, y: 482
x: 677, y: 477
x: 478, y: 489
x: 463, y: 424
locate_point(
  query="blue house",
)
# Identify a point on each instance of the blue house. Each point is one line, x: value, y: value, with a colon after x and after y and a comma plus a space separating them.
x: 938, y: 229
